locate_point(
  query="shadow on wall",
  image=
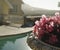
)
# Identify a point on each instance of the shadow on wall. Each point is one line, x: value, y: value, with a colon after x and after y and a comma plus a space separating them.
x: 1, y: 20
x: 29, y: 21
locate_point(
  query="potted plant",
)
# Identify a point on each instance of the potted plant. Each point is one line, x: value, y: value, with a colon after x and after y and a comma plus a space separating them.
x: 46, y: 33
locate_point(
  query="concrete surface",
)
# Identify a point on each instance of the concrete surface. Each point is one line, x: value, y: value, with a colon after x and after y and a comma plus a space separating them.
x: 8, y: 30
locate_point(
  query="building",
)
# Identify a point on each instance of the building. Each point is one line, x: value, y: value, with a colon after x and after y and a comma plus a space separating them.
x: 11, y: 11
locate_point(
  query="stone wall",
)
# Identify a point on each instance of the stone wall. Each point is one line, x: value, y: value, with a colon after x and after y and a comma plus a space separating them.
x: 14, y: 19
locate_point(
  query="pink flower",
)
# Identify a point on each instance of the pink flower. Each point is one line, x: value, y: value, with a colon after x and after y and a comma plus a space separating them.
x: 37, y: 22
x: 43, y: 16
x: 52, y: 24
x: 35, y: 30
x: 49, y: 28
x: 51, y: 19
x: 41, y: 33
x: 53, y: 39
x: 58, y: 22
x: 44, y: 19
x: 55, y: 20
x: 41, y: 23
x: 57, y: 14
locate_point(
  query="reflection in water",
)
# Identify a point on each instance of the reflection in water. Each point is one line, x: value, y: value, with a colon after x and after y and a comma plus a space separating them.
x: 14, y: 43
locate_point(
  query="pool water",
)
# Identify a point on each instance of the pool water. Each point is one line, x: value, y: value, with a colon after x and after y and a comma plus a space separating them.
x: 17, y: 42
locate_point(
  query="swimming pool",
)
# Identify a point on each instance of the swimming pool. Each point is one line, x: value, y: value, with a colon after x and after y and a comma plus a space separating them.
x: 17, y: 42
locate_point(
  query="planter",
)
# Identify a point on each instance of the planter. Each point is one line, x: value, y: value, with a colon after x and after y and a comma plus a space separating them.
x: 36, y: 44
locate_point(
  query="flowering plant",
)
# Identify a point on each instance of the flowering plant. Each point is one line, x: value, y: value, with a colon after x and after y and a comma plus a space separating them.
x: 48, y: 29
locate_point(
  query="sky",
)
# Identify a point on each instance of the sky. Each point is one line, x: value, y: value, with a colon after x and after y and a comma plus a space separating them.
x: 46, y: 4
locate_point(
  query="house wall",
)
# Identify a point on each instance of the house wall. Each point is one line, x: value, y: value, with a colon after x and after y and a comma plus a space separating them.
x: 18, y: 3
x: 3, y: 10
x: 3, y: 7
x: 12, y: 18
x: 16, y: 18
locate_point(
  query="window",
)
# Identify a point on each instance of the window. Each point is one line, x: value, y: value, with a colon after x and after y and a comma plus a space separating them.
x: 14, y: 10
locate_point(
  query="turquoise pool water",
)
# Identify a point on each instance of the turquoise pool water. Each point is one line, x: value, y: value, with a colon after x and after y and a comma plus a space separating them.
x: 17, y: 42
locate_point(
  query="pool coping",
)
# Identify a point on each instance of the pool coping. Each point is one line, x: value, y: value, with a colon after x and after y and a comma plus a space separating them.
x: 17, y: 34
x: 12, y: 31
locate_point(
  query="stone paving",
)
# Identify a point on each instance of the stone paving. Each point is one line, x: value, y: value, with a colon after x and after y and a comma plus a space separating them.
x: 8, y: 30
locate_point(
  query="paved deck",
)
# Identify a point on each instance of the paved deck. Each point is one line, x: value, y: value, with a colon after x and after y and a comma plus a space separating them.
x: 8, y: 30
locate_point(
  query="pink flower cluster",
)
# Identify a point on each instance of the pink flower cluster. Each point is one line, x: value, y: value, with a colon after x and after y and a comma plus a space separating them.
x: 49, y: 27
